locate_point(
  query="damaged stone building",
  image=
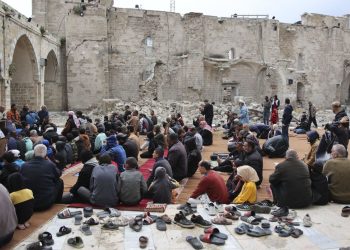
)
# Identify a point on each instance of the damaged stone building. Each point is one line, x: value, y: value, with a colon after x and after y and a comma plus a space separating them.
x: 91, y: 51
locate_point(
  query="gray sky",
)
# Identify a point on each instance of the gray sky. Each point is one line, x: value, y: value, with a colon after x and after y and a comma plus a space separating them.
x: 284, y: 10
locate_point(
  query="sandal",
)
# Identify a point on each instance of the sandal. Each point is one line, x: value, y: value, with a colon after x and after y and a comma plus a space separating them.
x: 88, y: 211
x: 166, y: 218
x: 35, y: 246
x: 113, y: 212
x: 85, y: 229
x: 63, y: 231
x: 221, y: 220
x: 214, y: 231
x: 283, y: 230
x: 121, y: 221
x: 161, y: 226
x: 231, y: 215
x: 143, y: 240
x: 296, y: 233
x: 232, y: 210
x: 211, y: 239
x: 251, y: 220
x: 258, y: 232
x: 148, y: 218
x: 46, y: 239
x: 77, y: 220
x: 243, y: 228
x: 76, y: 242
x: 66, y: 214
x: 136, y: 224
x: 194, y: 242
x: 91, y: 222
x: 110, y: 226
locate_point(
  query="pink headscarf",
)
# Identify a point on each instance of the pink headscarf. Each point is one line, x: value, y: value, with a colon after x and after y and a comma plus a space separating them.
x: 204, y: 125
x: 75, y: 118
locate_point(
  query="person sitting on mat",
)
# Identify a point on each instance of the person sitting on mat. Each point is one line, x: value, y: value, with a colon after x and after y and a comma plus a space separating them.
x: 8, y: 217
x: 161, y: 187
x: 249, y: 176
x: 22, y: 198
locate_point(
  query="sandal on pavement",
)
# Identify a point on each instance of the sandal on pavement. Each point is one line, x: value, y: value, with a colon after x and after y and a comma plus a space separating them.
x: 143, y: 241
x: 76, y: 242
x: 46, y: 239
x: 216, y: 233
x: 211, y: 239
x: 194, y: 242
x: 345, y: 212
x: 160, y: 224
x: 88, y: 212
x: 251, y: 220
x: 166, y: 218
x: 110, y: 226
x: 136, y: 223
x: 296, y: 233
x: 91, y: 222
x: 258, y: 232
x: 85, y: 229
x: 200, y: 222
x: 149, y: 219
x: 63, y: 231
x: 221, y: 220
x: 66, y: 214
x: 243, y: 228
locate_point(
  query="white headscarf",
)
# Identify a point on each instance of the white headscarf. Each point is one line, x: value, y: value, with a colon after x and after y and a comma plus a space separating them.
x: 75, y: 118
x: 247, y: 173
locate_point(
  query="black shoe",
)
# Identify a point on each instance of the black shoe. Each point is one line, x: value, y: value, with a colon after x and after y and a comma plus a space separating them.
x: 187, y: 209
x: 281, y: 212
x: 181, y: 220
x: 200, y: 222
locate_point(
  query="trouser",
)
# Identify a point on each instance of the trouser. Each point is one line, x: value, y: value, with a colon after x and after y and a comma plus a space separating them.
x: 312, y: 120
x: 57, y: 197
x: 225, y: 166
x: 266, y: 118
x: 285, y: 129
x: 277, y: 196
x: 84, y: 194
x: 6, y: 239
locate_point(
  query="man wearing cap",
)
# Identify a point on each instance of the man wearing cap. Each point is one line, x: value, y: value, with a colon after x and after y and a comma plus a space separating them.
x: 208, y: 112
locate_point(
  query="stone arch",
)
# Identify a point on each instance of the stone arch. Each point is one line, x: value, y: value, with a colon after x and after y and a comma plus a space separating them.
x: 25, y: 87
x: 53, y: 88
x: 300, y: 92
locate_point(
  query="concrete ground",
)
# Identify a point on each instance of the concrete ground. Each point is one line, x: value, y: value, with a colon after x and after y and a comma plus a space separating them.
x: 332, y: 229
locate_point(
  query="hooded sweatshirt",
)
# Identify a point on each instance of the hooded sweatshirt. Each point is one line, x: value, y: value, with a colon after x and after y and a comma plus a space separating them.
x: 84, y: 176
x: 161, y: 187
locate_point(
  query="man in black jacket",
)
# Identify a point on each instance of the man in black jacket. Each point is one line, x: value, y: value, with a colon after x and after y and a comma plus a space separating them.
x: 158, y: 156
x: 208, y: 112
x: 177, y: 157
x: 287, y: 118
x: 43, y: 178
x: 130, y: 146
x: 291, y: 183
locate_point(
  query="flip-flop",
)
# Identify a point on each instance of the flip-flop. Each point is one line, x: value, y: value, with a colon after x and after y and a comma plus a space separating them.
x: 296, y: 233
x: 91, y: 222
x: 77, y: 220
x: 215, y: 231
x: 211, y: 239
x: 66, y: 214
x: 161, y: 226
x: 136, y: 224
x: 258, y: 232
x: 85, y: 229
x: 194, y: 242
x: 166, y: 218
x: 243, y: 228
x: 88, y: 212
x: 76, y: 242
x: 221, y: 220
x: 143, y: 241
x: 110, y: 226
x: 251, y: 220
x: 46, y: 239
x: 63, y: 231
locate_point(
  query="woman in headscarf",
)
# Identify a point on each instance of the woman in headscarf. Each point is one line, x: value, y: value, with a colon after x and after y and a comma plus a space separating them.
x: 72, y: 122
x: 243, y: 113
x: 249, y: 176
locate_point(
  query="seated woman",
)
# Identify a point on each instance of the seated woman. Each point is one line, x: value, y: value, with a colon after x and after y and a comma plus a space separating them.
x: 207, y: 133
x: 22, y: 198
x: 248, y: 193
x: 151, y: 146
x: 161, y: 187
x: 312, y: 138
x: 103, y: 184
x: 132, y: 184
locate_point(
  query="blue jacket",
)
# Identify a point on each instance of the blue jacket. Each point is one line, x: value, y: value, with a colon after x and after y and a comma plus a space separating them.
x: 244, y: 115
x: 117, y: 154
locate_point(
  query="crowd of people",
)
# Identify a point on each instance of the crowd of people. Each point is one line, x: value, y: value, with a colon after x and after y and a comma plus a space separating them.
x: 34, y: 155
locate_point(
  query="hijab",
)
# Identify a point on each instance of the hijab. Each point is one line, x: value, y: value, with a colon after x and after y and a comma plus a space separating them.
x: 247, y: 173
x: 75, y: 118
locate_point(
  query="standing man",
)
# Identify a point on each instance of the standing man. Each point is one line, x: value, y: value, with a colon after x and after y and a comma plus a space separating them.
x: 312, y: 115
x: 287, y: 118
x: 267, y: 110
x: 208, y: 112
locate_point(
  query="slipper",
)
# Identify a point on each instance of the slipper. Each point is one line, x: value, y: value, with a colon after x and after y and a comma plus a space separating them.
x: 200, y: 222
x: 233, y: 210
x: 88, y: 211
x: 211, y: 239
x: 166, y: 218
x: 136, y: 223
x: 76, y: 242
x: 113, y: 212
x: 67, y: 214
x: 85, y: 229
x: 345, y: 212
x: 251, y: 220
x: 265, y: 224
x: 243, y: 228
x: 161, y: 226
x: 194, y: 242
x: 35, y: 246
x: 143, y: 240
x: 102, y: 214
x: 63, y: 231
x: 243, y: 207
x: 258, y: 232
x: 46, y: 239
x: 221, y: 220
x: 77, y: 219
x: 283, y: 230
x: 231, y: 215
x: 296, y: 233
x: 110, y: 226
x: 214, y: 231
x: 91, y: 222
x: 121, y: 221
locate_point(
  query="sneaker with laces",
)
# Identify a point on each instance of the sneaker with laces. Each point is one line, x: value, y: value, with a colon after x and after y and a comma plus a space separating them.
x: 210, y: 208
x: 181, y: 220
x: 281, y: 212
x: 243, y: 207
x: 219, y: 207
x: 307, y: 221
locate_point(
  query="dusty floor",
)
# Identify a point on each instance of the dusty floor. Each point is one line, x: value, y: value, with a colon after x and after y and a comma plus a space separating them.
x: 297, y: 142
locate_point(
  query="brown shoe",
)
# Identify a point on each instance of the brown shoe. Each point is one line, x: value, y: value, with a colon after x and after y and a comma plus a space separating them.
x: 345, y: 212
x: 143, y: 240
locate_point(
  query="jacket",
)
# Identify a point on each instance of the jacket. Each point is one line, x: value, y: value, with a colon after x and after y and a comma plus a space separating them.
x: 131, y: 149
x: 132, y: 187
x: 287, y: 115
x: 160, y: 162
x: 177, y: 158
x: 311, y: 156
x: 84, y: 176
x: 254, y: 160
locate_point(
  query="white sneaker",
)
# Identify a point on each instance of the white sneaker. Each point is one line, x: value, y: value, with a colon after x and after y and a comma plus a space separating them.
x: 307, y: 221
x: 292, y: 215
x: 219, y: 207
x: 211, y: 209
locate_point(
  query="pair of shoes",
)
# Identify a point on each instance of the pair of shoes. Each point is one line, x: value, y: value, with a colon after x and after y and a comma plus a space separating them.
x: 181, y: 220
x: 281, y: 212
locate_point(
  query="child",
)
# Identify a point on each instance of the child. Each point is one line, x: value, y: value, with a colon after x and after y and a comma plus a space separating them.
x: 22, y: 199
x: 161, y: 187
x: 248, y: 193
